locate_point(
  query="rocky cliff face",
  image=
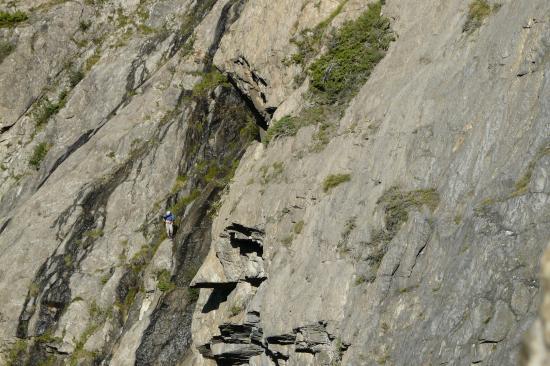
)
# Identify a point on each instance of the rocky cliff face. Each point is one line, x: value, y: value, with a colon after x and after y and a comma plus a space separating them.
x: 395, y: 212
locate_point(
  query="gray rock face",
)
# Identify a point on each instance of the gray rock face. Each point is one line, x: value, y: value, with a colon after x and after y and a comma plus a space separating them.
x: 405, y: 230
x: 452, y: 283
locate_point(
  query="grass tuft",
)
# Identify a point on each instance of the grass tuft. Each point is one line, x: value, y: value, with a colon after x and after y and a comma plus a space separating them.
x: 94, y: 234
x: 209, y: 82
x: 39, y: 153
x: 235, y: 310
x: 47, y: 109
x: 164, y: 282
x: 477, y: 12
x: 9, y: 20
x: 286, y: 126
x: 334, y: 180
x: 522, y: 185
x: 92, y: 60
x: 309, y: 41
x: 397, y: 205
x: 16, y: 351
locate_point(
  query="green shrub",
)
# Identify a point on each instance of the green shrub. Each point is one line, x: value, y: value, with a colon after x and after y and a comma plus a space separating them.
x: 92, y: 60
x: 93, y: 234
x: 336, y: 77
x: 180, y: 206
x: 322, y: 137
x: 477, y: 12
x: 84, y: 25
x: 11, y: 19
x: 105, y: 278
x: 334, y: 180
x: 47, y: 109
x: 235, y: 310
x: 75, y: 76
x: 141, y: 258
x: 250, y: 131
x: 164, y: 282
x: 209, y: 81
x: 397, y: 205
x: 309, y: 41
x: 6, y: 48
x: 39, y: 154
x: 353, y: 53
x: 212, y: 172
x: 286, y: 126
x: 18, y: 348
x: 145, y: 29
x: 68, y: 259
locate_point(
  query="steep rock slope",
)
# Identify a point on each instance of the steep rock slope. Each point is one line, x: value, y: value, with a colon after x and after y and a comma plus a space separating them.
x: 128, y: 118
x: 429, y: 253
x: 402, y: 223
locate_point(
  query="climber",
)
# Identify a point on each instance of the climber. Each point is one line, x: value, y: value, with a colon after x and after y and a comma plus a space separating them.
x: 169, y: 219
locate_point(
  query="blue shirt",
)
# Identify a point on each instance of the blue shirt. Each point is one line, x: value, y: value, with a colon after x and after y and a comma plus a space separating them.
x: 170, y: 217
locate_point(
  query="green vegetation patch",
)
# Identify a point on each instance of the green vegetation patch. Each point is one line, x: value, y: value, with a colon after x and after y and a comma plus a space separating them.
x: 309, y: 41
x: 46, y: 108
x: 84, y: 25
x: 334, y: 180
x: 18, y: 349
x: 11, y: 19
x: 235, y: 310
x: 75, y: 76
x: 92, y: 60
x: 286, y: 126
x: 94, y: 234
x: 210, y: 80
x: 478, y: 10
x: 80, y: 355
x: 141, y: 258
x: 179, y: 207
x: 337, y: 75
x: 250, y: 131
x: 353, y: 53
x: 39, y: 154
x: 6, y: 48
x: 397, y: 205
x: 164, y: 282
